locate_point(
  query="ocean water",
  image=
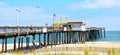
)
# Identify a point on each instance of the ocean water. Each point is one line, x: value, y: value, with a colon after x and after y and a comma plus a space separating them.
x: 111, y: 37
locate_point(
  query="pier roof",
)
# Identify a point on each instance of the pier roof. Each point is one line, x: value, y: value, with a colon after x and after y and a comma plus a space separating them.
x: 70, y: 23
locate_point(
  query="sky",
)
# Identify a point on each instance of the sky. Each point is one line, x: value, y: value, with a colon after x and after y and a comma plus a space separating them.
x: 96, y: 13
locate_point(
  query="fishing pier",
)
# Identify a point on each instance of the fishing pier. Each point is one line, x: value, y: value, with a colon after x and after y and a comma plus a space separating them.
x: 51, y: 35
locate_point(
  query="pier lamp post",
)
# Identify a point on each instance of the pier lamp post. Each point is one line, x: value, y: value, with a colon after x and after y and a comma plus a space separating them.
x: 54, y: 15
x: 18, y: 11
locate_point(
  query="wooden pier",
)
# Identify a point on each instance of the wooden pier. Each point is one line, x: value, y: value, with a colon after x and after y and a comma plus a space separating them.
x: 51, y: 35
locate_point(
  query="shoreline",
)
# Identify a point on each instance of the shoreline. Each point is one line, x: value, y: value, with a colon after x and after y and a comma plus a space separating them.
x: 89, y: 42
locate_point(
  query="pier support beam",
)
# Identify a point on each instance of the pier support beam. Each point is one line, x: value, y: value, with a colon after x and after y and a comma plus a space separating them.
x: 56, y: 38
x: 14, y: 43
x: 77, y: 33
x: 67, y: 35
x: 27, y: 42
x: 59, y: 38
x: 84, y: 37
x: 45, y: 39
x: 51, y: 35
x: 3, y: 40
x: 63, y: 34
x: 18, y: 43
x: 21, y: 42
x: 87, y: 36
x: 104, y: 32
x: 33, y: 40
x: 101, y: 33
x: 79, y: 37
x: 54, y: 34
x: 71, y: 34
x: 48, y: 38
x: 39, y: 40
x: 5, y: 44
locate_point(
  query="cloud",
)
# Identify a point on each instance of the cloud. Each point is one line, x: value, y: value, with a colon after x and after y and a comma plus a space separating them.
x: 94, y: 4
x: 2, y: 3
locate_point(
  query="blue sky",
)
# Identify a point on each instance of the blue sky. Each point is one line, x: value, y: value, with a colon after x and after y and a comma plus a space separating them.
x: 97, y: 13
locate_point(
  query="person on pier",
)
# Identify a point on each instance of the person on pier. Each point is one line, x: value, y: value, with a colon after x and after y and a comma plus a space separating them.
x: 32, y: 28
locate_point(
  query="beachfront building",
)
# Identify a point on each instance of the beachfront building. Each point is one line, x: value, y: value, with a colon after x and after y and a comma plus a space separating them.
x: 75, y: 26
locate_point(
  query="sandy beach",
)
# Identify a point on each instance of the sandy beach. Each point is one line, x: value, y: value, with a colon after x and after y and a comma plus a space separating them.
x: 71, y: 47
x: 68, y: 48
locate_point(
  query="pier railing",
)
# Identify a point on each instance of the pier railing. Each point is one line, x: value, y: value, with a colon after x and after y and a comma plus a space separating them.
x: 7, y: 29
x: 26, y: 30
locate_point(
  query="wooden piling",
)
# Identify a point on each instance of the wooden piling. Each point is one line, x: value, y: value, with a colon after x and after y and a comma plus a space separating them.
x: 14, y: 43
x: 66, y: 37
x: 39, y: 40
x: 18, y: 43
x: 84, y: 37
x: 104, y: 32
x: 21, y: 42
x: 5, y: 44
x: 59, y: 38
x: 87, y: 35
x: 71, y: 34
x: 3, y: 40
x: 63, y: 37
x: 33, y: 40
x: 78, y: 36
x: 98, y: 34
x: 45, y: 39
x: 51, y: 35
x: 48, y: 38
x: 69, y: 40
x: 54, y: 39
x: 101, y: 33
x: 27, y: 42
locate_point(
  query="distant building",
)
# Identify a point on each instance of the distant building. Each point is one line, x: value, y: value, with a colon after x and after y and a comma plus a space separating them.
x: 72, y: 25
